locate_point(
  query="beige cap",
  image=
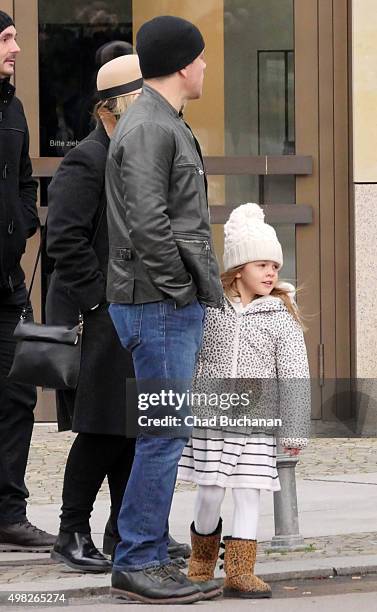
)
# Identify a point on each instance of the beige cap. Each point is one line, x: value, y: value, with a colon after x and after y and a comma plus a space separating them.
x: 118, y: 77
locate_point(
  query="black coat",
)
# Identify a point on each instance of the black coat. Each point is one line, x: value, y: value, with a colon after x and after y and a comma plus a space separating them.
x: 18, y: 190
x: 76, y: 201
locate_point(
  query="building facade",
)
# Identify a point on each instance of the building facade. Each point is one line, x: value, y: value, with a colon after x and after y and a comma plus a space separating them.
x: 286, y: 120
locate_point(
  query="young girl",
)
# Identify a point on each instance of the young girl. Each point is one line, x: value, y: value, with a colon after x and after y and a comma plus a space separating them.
x: 258, y: 335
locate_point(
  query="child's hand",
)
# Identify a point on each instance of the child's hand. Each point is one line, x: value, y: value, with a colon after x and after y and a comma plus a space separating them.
x: 292, y: 452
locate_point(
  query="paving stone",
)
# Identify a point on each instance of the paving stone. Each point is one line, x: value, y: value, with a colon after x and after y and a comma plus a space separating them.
x: 323, y: 457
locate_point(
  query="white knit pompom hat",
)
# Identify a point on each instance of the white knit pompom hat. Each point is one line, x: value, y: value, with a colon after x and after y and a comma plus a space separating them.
x: 249, y: 238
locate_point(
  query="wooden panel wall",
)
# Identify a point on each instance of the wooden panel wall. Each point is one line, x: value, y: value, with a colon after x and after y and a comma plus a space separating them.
x: 322, y: 130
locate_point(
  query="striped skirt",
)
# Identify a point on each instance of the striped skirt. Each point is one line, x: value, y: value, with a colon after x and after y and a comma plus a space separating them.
x: 239, y: 462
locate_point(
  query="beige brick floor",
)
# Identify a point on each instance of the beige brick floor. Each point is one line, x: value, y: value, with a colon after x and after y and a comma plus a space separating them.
x: 323, y: 457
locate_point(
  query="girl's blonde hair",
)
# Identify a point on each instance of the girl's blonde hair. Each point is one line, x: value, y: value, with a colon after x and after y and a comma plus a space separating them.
x: 116, y: 106
x: 229, y: 282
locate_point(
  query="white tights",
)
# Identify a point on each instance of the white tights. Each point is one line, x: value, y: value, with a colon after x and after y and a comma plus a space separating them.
x: 245, y: 514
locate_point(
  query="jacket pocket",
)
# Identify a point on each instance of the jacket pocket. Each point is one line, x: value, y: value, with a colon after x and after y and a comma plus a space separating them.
x: 123, y: 259
x: 121, y: 273
x: 191, y: 166
x: 195, y: 254
x: 14, y: 242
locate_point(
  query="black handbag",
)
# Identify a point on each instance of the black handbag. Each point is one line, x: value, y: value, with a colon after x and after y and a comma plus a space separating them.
x: 47, y: 355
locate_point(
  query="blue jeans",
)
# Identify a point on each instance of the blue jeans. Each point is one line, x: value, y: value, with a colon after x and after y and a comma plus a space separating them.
x: 164, y: 342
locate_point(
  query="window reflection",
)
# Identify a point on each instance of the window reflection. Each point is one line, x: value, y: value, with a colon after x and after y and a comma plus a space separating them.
x: 275, y: 103
x: 259, y: 93
x: 77, y: 36
x: 74, y: 39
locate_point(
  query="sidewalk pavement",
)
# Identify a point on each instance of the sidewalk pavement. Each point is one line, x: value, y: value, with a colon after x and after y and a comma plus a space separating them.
x: 337, y: 499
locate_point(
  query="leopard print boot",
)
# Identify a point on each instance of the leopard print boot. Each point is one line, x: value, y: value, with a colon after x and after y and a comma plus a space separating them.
x: 202, y: 562
x: 239, y: 562
x: 205, y: 551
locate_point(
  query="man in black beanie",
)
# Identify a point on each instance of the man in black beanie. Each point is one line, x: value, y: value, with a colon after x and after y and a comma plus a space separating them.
x: 162, y: 274
x: 18, y: 221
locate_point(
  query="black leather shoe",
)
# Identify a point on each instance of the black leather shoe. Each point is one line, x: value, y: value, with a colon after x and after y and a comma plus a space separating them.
x: 175, y: 549
x: 209, y: 588
x: 23, y: 536
x: 77, y: 550
x: 179, y: 562
x: 110, y: 540
x: 156, y: 585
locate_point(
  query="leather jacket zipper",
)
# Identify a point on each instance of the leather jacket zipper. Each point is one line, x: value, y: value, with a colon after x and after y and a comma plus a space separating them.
x: 196, y: 241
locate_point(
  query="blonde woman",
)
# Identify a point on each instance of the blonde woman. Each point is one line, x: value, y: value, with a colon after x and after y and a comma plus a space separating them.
x: 77, y: 241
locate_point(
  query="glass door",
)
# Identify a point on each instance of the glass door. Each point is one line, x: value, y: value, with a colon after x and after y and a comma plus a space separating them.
x: 276, y: 70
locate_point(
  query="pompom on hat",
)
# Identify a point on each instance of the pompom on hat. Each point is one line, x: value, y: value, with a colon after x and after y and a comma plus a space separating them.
x: 249, y: 238
x: 119, y: 77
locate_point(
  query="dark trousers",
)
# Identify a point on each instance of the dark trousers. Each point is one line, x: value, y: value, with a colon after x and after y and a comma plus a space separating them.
x: 17, y: 402
x: 93, y: 457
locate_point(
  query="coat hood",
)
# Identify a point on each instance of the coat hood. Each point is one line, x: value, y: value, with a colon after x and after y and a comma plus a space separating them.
x: 266, y: 303
x: 269, y: 303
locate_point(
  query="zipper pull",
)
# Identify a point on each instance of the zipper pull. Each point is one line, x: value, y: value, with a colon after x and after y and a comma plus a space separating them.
x: 10, y: 283
x: 208, y: 248
x: 5, y: 171
x: 200, y: 171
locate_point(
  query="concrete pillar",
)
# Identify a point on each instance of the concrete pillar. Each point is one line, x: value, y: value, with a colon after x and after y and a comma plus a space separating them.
x: 364, y: 101
x: 287, y: 535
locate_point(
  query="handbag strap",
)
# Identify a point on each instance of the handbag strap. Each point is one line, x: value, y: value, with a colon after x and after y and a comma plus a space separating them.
x: 43, y: 238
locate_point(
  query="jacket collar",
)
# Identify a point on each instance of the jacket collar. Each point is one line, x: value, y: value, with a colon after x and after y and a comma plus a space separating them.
x: 100, y: 131
x: 6, y: 92
x: 152, y: 93
x: 267, y: 303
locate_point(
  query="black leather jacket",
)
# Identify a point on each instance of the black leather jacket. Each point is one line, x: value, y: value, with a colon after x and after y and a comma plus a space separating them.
x: 158, y: 220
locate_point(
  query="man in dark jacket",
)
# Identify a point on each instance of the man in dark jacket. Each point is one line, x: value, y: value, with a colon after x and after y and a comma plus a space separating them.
x: 162, y: 273
x: 18, y: 221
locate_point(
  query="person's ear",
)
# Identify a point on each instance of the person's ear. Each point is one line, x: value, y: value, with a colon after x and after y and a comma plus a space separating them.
x: 238, y: 275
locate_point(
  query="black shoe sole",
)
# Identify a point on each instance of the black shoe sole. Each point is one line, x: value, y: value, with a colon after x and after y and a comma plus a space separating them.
x: 129, y: 596
x: 20, y: 548
x: 81, y: 568
x: 233, y: 593
x: 214, y: 594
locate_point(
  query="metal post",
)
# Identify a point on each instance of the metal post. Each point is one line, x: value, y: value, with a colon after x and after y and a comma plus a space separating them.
x: 287, y: 536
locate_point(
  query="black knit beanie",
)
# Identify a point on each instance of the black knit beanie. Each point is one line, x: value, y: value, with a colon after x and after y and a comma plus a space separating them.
x: 167, y: 44
x: 5, y: 21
